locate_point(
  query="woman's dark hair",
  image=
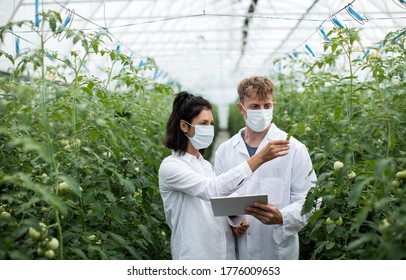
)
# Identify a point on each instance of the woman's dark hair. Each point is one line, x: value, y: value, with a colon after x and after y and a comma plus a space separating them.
x: 186, y: 107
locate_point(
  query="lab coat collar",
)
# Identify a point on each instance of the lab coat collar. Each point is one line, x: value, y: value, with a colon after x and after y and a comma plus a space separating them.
x: 187, y: 157
x: 273, y: 133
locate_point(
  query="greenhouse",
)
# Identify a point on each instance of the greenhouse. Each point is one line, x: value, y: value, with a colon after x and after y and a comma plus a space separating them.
x: 87, y: 88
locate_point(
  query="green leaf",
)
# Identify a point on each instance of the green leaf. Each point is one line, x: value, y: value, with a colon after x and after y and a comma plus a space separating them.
x: 52, y: 24
x: 366, y: 237
x: 315, y: 216
x: 333, y: 47
x: 95, y: 46
x: 338, y: 110
x: 24, y: 180
x: 109, y: 195
x: 30, y: 145
x: 330, y: 245
x: 309, y: 202
x: 145, y: 233
x: 330, y: 228
x: 355, y: 191
x: 100, y: 209
x: 112, y: 55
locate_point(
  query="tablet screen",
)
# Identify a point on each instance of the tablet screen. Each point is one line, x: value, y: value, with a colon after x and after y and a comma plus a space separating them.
x: 235, y: 205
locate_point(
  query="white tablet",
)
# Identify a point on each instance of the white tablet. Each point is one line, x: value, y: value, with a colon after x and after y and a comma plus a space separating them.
x: 235, y: 205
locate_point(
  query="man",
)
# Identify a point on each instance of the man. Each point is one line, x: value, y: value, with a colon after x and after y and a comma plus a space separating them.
x: 273, y: 227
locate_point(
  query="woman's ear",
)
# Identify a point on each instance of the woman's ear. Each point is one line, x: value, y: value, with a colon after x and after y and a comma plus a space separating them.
x: 183, y: 126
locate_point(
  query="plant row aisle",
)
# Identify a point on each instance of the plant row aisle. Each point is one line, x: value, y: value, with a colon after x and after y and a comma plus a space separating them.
x: 348, y: 107
x: 79, y: 154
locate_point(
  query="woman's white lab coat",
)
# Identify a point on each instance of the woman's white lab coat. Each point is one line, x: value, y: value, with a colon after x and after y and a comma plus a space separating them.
x: 186, y: 184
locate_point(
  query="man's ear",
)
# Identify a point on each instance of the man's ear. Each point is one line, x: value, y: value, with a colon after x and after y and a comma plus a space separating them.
x: 241, y: 109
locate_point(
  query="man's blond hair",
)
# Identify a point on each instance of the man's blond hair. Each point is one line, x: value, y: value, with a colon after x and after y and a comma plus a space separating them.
x: 261, y: 86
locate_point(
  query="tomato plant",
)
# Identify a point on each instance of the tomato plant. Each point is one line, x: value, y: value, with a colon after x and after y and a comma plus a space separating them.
x: 79, y: 153
x: 347, y: 108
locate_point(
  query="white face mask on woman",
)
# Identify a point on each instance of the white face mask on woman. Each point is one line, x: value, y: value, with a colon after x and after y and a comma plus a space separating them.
x: 203, y: 137
x: 258, y: 120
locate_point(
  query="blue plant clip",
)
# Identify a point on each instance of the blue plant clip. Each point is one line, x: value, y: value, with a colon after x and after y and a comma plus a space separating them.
x: 99, y: 33
x: 336, y: 22
x: 140, y: 64
x: 37, y: 13
x: 310, y: 50
x: 67, y: 20
x: 356, y: 16
x: 400, y: 3
x: 49, y: 56
x: 17, y: 45
x: 400, y: 35
x: 118, y: 48
x: 322, y: 33
x: 366, y: 53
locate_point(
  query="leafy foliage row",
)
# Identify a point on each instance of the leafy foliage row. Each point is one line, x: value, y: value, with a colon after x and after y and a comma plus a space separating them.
x: 348, y: 106
x: 79, y: 154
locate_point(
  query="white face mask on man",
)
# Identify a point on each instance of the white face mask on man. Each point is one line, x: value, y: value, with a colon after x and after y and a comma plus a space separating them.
x: 258, y: 120
x: 203, y: 137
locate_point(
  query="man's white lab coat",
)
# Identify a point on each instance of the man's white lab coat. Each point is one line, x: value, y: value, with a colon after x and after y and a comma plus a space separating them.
x: 286, y: 180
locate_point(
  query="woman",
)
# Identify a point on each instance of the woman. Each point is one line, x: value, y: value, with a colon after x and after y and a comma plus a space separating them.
x: 187, y: 182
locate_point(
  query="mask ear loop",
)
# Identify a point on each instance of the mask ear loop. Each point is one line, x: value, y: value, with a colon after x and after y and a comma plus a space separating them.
x: 189, y: 123
x: 243, y: 107
x: 184, y: 131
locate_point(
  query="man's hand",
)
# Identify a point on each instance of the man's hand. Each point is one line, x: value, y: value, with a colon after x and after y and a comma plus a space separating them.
x: 267, y: 214
x: 242, y: 228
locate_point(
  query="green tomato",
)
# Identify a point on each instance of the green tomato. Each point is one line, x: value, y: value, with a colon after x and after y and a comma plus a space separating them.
x: 351, y: 175
x: 44, y: 228
x: 49, y: 254
x: 63, y: 187
x: 40, y: 252
x: 53, y: 244
x: 34, y: 234
x: 5, y: 215
x: 329, y: 221
x: 339, y: 222
x: 338, y: 165
x: 91, y: 237
x: 107, y: 154
x: 401, y: 174
x: 395, y: 184
x: 384, y: 225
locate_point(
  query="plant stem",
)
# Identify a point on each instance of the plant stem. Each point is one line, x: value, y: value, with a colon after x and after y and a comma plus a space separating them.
x: 349, y: 96
x: 48, y: 138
